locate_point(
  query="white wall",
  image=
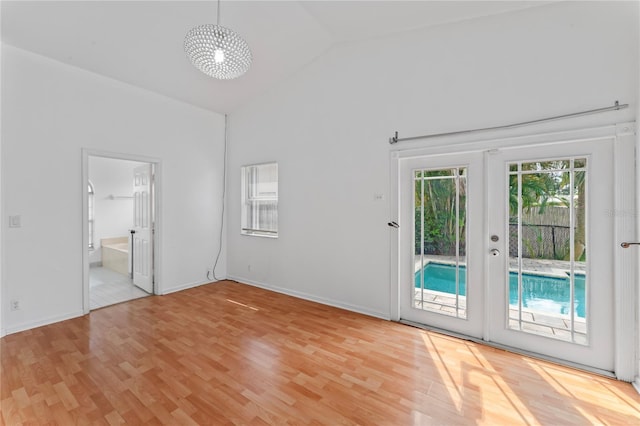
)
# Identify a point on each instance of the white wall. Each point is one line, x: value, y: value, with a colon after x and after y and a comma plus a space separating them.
x: 637, y: 212
x: 2, y: 216
x: 113, y: 216
x: 50, y: 112
x: 328, y: 127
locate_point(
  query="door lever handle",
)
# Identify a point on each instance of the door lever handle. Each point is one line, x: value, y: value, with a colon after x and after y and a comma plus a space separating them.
x: 627, y: 245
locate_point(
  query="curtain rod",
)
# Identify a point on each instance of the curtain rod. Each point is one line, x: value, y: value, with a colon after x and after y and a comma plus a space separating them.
x: 615, y: 107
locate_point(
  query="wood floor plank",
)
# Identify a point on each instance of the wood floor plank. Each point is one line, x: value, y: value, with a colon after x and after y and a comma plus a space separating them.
x: 228, y: 353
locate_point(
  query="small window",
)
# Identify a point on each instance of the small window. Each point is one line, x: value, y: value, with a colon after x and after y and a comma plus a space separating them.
x: 260, y: 200
x: 90, y: 210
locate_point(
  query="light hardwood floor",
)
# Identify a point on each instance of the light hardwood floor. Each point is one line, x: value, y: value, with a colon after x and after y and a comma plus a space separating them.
x: 228, y: 353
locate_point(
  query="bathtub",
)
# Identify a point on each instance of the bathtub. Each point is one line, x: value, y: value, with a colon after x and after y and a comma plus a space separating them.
x: 115, y: 254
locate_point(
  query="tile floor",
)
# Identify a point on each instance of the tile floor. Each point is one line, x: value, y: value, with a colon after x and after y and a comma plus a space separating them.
x: 108, y: 287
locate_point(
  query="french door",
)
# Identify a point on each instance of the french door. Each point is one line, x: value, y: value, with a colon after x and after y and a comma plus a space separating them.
x: 443, y: 268
x: 513, y: 246
x: 551, y: 284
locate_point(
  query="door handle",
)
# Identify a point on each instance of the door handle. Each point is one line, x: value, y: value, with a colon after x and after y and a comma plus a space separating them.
x: 627, y: 245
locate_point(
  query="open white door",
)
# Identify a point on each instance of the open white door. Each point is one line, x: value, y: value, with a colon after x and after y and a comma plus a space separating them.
x: 142, y: 235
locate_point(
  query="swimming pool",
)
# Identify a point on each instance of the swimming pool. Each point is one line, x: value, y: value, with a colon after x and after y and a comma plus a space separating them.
x: 539, y: 292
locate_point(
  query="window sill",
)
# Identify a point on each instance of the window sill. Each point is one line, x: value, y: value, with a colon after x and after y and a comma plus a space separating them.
x: 258, y: 234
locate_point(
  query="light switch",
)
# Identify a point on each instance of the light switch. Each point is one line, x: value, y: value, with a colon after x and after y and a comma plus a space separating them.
x: 14, y: 221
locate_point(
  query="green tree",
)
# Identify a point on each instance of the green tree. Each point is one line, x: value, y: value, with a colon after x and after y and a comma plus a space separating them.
x: 435, y: 213
x: 537, y: 188
x: 551, y: 184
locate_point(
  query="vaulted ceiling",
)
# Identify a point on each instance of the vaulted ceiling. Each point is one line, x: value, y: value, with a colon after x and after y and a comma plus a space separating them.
x: 140, y: 42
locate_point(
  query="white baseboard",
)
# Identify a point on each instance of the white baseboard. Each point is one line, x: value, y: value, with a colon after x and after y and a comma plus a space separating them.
x: 301, y: 295
x: 313, y: 298
x: 636, y: 384
x: 187, y: 286
x: 44, y: 321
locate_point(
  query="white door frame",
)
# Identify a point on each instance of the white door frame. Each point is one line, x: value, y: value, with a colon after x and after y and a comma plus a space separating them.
x: 157, y: 237
x: 625, y: 267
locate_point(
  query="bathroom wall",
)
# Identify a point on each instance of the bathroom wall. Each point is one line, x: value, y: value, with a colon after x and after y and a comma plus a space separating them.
x: 113, y: 216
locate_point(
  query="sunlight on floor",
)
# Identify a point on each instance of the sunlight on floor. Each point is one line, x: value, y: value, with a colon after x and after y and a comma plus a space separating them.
x: 447, y: 378
x: 242, y: 304
x: 584, y: 389
x: 487, y: 371
x: 478, y: 385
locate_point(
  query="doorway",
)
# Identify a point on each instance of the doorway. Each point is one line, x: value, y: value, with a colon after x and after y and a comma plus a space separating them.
x: 515, y: 246
x: 119, y: 224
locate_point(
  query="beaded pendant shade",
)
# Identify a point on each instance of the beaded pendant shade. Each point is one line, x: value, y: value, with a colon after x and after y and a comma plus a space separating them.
x: 218, y: 51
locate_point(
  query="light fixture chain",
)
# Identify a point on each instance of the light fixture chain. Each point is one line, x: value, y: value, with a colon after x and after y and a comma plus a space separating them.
x: 218, y: 14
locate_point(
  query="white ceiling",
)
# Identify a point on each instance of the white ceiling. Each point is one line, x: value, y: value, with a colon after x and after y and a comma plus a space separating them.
x: 140, y: 42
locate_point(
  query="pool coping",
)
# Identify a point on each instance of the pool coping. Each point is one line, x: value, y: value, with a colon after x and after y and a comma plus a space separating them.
x: 560, y: 275
x: 551, y: 325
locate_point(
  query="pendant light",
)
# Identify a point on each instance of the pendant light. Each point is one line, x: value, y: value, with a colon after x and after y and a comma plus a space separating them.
x: 218, y: 51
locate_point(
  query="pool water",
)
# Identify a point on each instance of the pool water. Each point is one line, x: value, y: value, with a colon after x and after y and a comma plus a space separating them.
x: 539, y: 292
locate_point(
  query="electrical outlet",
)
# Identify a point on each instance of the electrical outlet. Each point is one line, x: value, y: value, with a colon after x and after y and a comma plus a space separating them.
x: 15, y: 305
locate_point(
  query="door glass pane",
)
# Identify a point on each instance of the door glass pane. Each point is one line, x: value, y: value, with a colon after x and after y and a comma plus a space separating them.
x: 547, y: 248
x: 440, y: 241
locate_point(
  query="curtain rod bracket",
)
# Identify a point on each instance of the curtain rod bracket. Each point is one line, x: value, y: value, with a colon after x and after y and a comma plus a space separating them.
x: 393, y: 139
